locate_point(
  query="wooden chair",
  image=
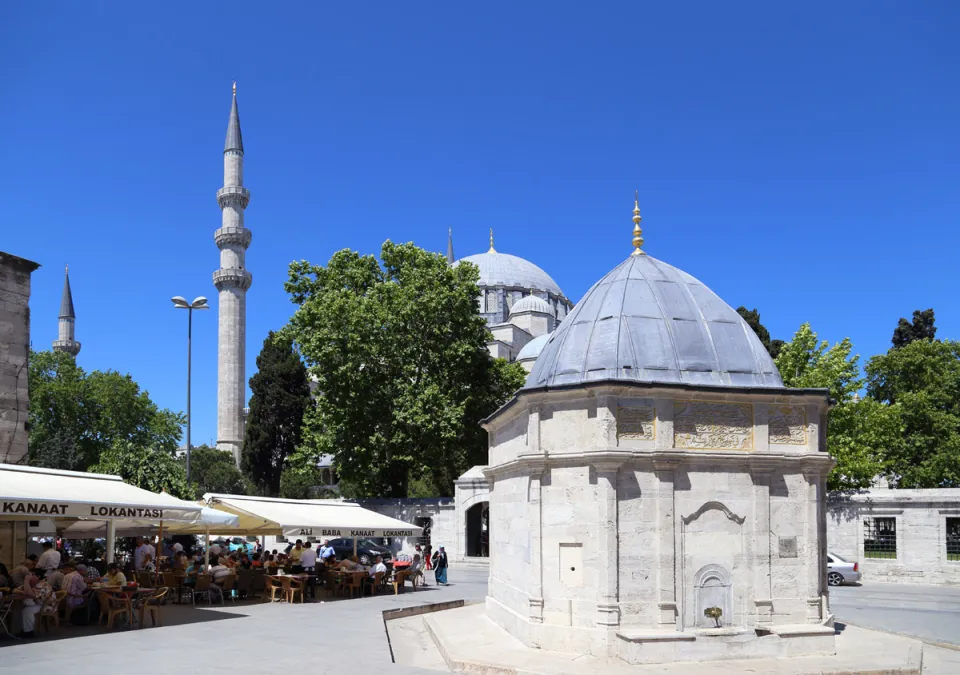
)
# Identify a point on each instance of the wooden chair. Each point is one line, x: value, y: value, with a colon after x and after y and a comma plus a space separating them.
x: 271, y: 588
x: 112, y: 606
x: 227, y: 586
x: 259, y: 583
x: 355, y: 583
x: 151, y: 605
x: 290, y: 589
x: 145, y: 579
x: 202, y: 588
x: 374, y: 584
x: 244, y: 585
x: 51, y: 613
x: 398, y: 580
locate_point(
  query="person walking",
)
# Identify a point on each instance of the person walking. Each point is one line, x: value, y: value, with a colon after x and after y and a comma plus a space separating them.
x: 440, y: 566
x: 427, y: 558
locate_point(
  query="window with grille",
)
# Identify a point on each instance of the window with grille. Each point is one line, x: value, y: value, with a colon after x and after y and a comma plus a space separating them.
x: 953, y: 539
x: 880, y: 538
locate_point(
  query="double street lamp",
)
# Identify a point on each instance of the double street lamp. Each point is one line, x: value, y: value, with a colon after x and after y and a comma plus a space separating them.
x: 179, y: 302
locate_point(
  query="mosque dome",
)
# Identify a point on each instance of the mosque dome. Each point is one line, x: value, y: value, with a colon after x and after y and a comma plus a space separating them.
x: 648, y: 322
x: 531, y: 303
x: 503, y: 269
x: 531, y: 350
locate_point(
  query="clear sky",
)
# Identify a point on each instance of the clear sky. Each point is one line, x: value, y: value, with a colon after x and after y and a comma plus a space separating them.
x: 801, y: 159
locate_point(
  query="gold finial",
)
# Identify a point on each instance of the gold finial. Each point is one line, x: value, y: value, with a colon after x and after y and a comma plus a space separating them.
x: 492, y: 250
x: 234, y: 87
x: 637, y: 232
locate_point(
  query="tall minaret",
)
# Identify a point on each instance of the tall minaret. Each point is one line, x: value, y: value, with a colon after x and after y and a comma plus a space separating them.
x: 232, y: 281
x: 450, y: 258
x: 65, y: 331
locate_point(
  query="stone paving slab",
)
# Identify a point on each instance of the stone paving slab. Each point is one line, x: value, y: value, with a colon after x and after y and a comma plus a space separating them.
x: 470, y: 643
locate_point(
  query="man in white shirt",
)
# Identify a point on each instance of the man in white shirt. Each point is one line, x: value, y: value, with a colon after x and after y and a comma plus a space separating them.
x: 49, y: 559
x: 215, y: 549
x: 308, y: 558
x: 378, y: 567
x: 177, y: 547
x: 140, y: 553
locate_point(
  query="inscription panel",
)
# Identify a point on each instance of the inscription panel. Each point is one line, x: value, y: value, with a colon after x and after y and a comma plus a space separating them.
x: 635, y: 424
x: 699, y: 424
x: 787, y: 425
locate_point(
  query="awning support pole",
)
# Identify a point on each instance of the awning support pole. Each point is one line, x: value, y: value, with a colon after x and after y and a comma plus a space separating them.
x: 156, y: 563
x: 354, y: 546
x: 206, y: 549
x: 111, y: 539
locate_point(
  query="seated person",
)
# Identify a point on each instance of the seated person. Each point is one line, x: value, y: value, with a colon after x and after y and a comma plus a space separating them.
x: 22, y: 571
x: 350, y: 564
x: 179, y: 561
x: 270, y: 564
x: 415, y: 571
x: 114, y: 577
x: 90, y: 574
x: 55, y: 579
x: 256, y: 562
x: 378, y: 567
x: 219, y: 570
x: 38, y: 595
x: 75, y: 586
x: 245, y: 562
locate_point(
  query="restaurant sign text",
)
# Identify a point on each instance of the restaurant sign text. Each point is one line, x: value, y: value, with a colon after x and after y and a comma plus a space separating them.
x: 342, y: 532
x: 77, y: 510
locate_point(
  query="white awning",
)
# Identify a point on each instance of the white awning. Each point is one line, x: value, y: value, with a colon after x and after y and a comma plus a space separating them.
x: 210, y: 520
x: 309, y: 517
x: 31, y: 493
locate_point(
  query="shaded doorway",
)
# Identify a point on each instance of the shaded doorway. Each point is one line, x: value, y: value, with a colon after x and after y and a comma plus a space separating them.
x: 478, y: 530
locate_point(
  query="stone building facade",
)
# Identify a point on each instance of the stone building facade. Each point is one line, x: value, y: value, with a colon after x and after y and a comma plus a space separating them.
x: 898, y: 536
x: 14, y: 394
x: 656, y: 493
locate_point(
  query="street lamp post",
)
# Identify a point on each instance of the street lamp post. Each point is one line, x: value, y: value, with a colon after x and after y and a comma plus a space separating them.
x: 180, y: 302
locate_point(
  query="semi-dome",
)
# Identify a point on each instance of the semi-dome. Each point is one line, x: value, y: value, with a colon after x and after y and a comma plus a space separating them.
x: 503, y: 269
x: 531, y: 303
x: 647, y: 321
x: 531, y: 350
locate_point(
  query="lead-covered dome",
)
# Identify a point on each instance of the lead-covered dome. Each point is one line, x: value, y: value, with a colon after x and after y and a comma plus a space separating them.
x: 647, y: 321
x: 503, y: 269
x: 531, y: 303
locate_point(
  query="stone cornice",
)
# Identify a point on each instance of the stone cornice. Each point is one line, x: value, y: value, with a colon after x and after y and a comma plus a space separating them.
x: 233, y: 195
x: 235, y: 236
x: 677, y: 458
x: 71, y: 347
x: 232, y: 278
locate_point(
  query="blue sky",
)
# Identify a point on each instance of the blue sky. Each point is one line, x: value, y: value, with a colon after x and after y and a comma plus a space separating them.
x: 797, y: 159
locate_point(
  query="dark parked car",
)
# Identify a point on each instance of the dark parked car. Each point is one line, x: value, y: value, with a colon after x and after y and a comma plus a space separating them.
x: 367, y: 550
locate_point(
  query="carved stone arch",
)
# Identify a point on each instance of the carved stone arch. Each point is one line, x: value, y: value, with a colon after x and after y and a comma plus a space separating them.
x: 713, y: 587
x: 711, y: 506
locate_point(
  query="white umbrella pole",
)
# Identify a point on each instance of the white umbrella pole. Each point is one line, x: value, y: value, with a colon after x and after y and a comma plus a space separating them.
x: 206, y: 550
x: 354, y: 546
x: 111, y: 539
x: 156, y: 562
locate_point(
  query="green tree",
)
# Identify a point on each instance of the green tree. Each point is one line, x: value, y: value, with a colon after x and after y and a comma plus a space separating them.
x: 752, y: 317
x: 299, y: 484
x: 399, y: 354
x: 858, y: 431
x: 280, y: 394
x: 146, y: 467
x: 213, y: 470
x: 921, y: 328
x: 921, y: 379
x: 76, y: 416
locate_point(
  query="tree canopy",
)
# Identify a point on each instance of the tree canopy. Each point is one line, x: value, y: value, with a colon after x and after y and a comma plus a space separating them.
x: 922, y: 380
x: 921, y: 328
x: 147, y: 467
x: 280, y: 394
x: 752, y: 317
x: 213, y: 470
x: 76, y: 416
x: 404, y: 377
x: 858, y: 431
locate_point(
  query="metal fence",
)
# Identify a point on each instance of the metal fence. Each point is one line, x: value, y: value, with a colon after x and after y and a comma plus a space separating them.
x: 880, y: 538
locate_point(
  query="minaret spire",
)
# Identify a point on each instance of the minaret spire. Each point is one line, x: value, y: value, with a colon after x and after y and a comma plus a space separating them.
x: 450, y: 258
x: 492, y: 250
x: 232, y: 281
x: 637, y: 232
x: 65, y: 341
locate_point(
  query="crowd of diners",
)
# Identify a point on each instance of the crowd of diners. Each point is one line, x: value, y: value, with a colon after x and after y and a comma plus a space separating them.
x: 37, y: 579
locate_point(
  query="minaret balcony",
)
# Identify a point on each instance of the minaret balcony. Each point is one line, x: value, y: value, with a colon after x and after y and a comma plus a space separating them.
x: 232, y: 236
x: 71, y: 347
x: 233, y: 195
x: 232, y: 277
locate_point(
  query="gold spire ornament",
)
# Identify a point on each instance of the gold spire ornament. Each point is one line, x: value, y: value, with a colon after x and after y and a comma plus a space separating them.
x: 637, y: 232
x: 492, y: 250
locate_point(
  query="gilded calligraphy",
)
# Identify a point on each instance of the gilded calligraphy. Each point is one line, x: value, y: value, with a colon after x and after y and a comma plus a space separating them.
x: 787, y: 425
x: 698, y: 424
x: 635, y: 424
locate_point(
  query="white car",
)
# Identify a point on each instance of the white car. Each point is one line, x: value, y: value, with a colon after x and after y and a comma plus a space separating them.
x: 840, y: 571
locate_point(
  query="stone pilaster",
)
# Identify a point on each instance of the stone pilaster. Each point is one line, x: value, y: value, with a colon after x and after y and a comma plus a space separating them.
x: 762, y: 590
x: 668, y: 611
x: 608, y: 605
x: 536, y: 550
x: 811, y: 548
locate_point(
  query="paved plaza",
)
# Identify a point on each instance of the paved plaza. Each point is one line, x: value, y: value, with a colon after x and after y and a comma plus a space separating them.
x: 255, y: 637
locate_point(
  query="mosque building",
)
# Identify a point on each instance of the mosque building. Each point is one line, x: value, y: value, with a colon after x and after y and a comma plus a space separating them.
x: 520, y: 302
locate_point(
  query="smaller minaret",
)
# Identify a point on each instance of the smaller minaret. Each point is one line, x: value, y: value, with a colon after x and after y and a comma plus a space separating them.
x: 65, y: 333
x: 450, y: 258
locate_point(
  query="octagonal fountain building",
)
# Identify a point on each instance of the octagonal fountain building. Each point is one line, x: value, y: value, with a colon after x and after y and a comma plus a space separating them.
x: 656, y: 493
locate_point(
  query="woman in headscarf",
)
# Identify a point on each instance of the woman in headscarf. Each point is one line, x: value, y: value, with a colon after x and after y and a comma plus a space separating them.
x: 440, y: 566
